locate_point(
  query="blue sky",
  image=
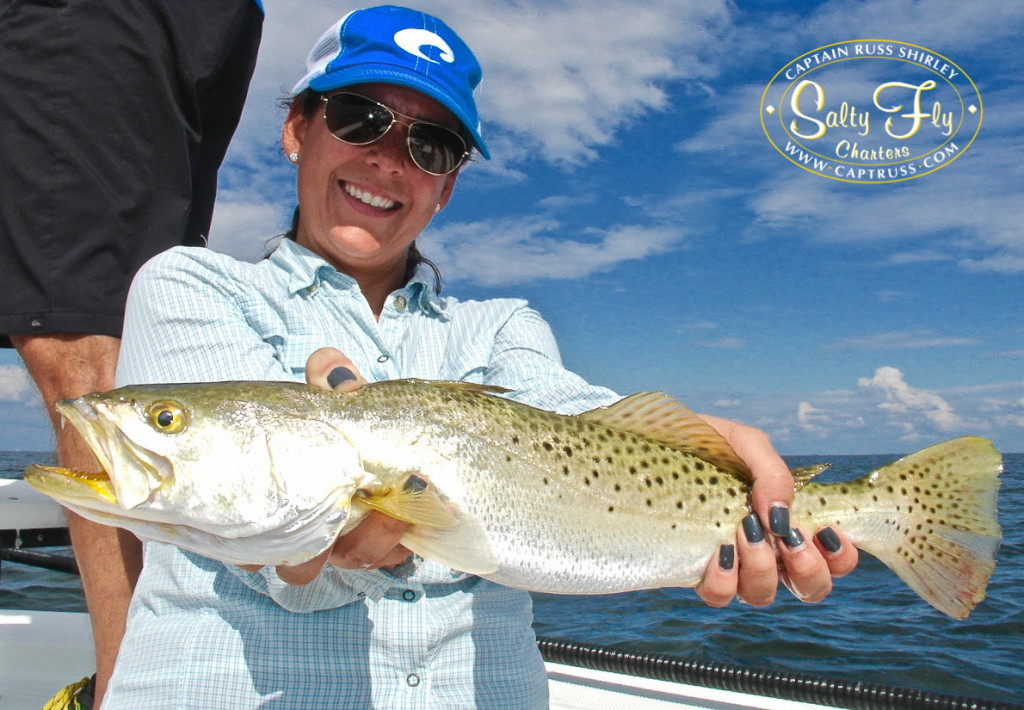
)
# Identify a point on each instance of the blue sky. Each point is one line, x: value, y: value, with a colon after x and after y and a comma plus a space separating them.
x: 635, y: 200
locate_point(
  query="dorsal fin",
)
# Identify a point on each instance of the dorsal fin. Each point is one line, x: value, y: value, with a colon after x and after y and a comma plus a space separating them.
x: 657, y: 416
x: 804, y: 475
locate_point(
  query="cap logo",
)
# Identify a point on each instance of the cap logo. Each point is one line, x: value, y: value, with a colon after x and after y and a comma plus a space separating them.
x: 414, y: 40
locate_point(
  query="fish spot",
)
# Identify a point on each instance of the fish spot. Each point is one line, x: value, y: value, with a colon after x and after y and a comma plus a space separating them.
x: 617, y: 488
x: 546, y: 482
x: 547, y: 446
x: 567, y: 450
x: 713, y: 480
x: 702, y: 498
x: 649, y: 502
x: 699, y: 481
x: 659, y: 480
x: 565, y: 470
x: 699, y: 465
x: 679, y: 504
x: 611, y: 508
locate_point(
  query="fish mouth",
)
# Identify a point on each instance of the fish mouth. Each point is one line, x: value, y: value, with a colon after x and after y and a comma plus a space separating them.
x: 129, y: 473
x: 70, y: 483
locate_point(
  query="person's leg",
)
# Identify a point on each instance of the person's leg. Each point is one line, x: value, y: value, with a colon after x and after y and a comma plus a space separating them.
x: 109, y: 559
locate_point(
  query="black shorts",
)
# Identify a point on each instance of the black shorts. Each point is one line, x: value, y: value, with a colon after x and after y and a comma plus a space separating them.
x: 114, y: 118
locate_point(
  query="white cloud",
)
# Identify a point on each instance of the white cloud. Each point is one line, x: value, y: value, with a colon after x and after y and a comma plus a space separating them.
x: 900, y: 340
x: 240, y: 228
x: 820, y: 420
x: 561, y: 78
x: 725, y: 343
x: 500, y: 252
x: 15, y: 383
x: 906, y: 405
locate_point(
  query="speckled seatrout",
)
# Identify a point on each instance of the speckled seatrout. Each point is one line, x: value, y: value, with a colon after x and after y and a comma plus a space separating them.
x: 633, y: 496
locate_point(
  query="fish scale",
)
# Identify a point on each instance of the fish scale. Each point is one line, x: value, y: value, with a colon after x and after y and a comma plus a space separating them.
x: 636, y: 495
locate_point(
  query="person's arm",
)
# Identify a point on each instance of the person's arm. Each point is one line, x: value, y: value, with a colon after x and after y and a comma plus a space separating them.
x: 109, y: 560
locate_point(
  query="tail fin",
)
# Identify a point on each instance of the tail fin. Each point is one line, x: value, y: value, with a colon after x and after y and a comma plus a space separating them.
x: 931, y: 518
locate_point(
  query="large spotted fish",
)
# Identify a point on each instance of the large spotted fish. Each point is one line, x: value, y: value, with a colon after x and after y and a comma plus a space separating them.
x: 636, y: 495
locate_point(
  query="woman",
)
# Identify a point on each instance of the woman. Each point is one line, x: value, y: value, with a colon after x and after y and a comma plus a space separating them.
x: 378, y: 129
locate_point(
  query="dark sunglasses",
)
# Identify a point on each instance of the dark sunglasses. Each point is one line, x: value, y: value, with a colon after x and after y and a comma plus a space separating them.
x: 357, y: 120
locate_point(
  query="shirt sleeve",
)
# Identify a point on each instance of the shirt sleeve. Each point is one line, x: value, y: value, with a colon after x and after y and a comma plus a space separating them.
x: 525, y: 359
x: 184, y: 323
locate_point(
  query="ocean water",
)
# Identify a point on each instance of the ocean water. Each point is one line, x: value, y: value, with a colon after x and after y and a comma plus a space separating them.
x: 871, y: 629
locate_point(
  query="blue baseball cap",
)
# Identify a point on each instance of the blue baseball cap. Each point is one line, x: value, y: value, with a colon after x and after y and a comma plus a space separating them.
x: 395, y: 45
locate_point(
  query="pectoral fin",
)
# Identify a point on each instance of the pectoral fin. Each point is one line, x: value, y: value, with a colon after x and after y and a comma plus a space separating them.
x: 464, y: 547
x: 437, y: 532
x: 415, y: 502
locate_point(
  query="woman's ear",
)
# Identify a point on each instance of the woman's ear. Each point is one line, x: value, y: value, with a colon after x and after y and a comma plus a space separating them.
x: 446, y: 191
x: 293, y: 132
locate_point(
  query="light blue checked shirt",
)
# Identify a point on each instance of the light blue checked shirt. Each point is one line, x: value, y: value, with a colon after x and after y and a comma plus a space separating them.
x: 202, y: 634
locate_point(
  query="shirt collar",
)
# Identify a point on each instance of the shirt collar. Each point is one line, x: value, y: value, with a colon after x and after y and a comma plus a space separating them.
x: 306, y: 270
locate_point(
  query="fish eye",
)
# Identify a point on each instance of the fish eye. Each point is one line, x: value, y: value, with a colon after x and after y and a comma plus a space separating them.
x: 167, y: 417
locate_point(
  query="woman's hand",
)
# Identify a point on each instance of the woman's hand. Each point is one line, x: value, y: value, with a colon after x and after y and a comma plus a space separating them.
x: 768, y: 548
x: 372, y: 544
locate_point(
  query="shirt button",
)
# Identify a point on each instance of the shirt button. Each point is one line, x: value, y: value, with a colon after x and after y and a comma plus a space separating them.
x: 408, y: 595
x: 383, y: 359
x: 412, y: 680
x: 401, y: 302
x: 312, y: 288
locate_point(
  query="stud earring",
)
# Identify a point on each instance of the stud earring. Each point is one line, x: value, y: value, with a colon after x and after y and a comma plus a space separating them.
x: 437, y: 208
x: 294, y: 157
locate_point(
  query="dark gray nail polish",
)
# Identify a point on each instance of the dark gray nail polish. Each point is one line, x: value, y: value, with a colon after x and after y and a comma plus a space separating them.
x: 829, y: 540
x: 778, y: 520
x: 726, y: 557
x: 414, y: 484
x: 752, y: 529
x: 339, y: 376
x: 794, y: 538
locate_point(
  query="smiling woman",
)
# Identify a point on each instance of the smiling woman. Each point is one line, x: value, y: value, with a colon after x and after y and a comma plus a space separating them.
x: 377, y: 129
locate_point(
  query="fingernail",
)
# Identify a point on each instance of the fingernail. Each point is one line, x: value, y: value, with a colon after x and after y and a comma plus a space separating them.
x: 726, y: 557
x: 339, y: 376
x: 829, y: 540
x: 414, y: 484
x: 778, y: 520
x: 752, y: 529
x: 793, y: 539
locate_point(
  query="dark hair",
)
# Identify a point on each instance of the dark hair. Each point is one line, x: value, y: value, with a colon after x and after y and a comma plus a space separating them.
x: 309, y: 100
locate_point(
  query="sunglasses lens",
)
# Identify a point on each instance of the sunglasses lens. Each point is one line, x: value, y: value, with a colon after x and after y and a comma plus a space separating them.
x: 435, y: 149
x: 356, y: 120
x: 361, y: 121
